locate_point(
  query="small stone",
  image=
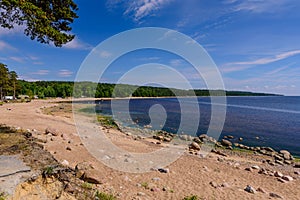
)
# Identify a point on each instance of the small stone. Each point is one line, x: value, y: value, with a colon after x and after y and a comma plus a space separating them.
x: 249, y: 169
x: 274, y: 195
x: 225, y: 185
x: 281, y: 180
x: 297, y: 165
x: 213, y: 184
x: 155, y: 189
x: 261, y: 190
x: 287, y: 178
x: 255, y: 167
x: 68, y: 148
x: 65, y: 163
x: 240, y: 139
x: 91, y: 177
x: 250, y: 189
x: 51, y: 131
x: 141, y: 194
x: 156, y: 179
x: 297, y: 172
x: 278, y: 174
x: 162, y: 170
x: 226, y: 143
x: 286, y: 155
x: 288, y: 162
x: 195, y: 146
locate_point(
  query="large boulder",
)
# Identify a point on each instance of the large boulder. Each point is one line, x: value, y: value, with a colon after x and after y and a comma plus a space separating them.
x: 226, y: 143
x: 285, y: 154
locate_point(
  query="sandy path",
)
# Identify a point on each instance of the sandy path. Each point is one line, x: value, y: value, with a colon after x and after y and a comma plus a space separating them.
x: 188, y: 175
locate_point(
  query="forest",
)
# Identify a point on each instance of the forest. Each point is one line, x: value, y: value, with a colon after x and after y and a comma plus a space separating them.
x: 11, y: 86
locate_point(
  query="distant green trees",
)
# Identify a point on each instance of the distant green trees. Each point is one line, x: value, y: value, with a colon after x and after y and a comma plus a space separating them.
x: 8, y: 82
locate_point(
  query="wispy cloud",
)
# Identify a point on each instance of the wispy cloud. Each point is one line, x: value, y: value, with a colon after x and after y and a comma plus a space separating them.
x: 65, y: 73
x: 41, y: 72
x: 259, y: 6
x: 5, y: 46
x: 15, y: 30
x: 139, y: 9
x: 239, y: 66
x: 77, y: 44
x: 17, y: 59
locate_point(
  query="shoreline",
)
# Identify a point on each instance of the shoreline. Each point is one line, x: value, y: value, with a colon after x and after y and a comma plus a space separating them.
x: 185, y: 176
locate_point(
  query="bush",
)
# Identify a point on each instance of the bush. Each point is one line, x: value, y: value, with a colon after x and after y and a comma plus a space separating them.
x: 104, y: 196
x: 193, y: 197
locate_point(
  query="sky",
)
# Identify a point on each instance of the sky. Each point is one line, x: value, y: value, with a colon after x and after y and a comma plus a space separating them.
x: 255, y: 44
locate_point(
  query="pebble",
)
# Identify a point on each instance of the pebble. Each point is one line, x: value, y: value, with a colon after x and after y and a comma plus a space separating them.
x: 68, y: 148
x: 274, y: 195
x: 65, y: 163
x: 195, y: 146
x: 287, y: 178
x: 255, y: 167
x: 250, y: 189
x: 225, y: 185
x: 156, y: 179
x: 162, y: 170
x: 278, y: 174
x: 141, y: 194
x: 261, y: 190
x: 213, y: 184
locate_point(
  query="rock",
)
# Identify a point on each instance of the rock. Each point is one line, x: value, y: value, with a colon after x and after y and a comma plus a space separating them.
x: 226, y: 143
x: 197, y: 140
x: 225, y: 185
x: 279, y: 162
x: 277, y: 157
x: 297, y: 165
x: 65, y: 163
x: 255, y: 167
x: 91, y: 177
x: 195, y: 146
x: 80, y: 169
x: 213, y: 184
x: 281, y: 180
x: 287, y: 178
x: 68, y: 148
x: 286, y: 155
x: 230, y: 136
x: 278, y: 174
x: 162, y: 170
x: 249, y: 169
x: 269, y: 149
x: 155, y: 189
x: 288, y: 162
x: 156, y: 179
x: 141, y: 194
x: 250, y: 189
x: 297, y: 172
x: 261, y: 190
x: 240, y: 139
x: 274, y: 195
x: 51, y: 131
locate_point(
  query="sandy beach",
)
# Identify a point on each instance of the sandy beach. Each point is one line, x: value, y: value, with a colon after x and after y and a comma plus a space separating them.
x: 212, y: 177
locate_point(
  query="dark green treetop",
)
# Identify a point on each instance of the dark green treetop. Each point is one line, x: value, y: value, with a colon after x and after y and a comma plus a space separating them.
x: 44, y: 20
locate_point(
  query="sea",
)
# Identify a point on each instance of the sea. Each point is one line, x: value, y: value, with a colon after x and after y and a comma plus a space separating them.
x: 272, y: 121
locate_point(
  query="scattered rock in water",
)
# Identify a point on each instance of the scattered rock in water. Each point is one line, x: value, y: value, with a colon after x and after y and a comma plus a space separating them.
x: 250, y: 189
x: 230, y: 136
x: 226, y: 143
x: 241, y: 139
x: 51, y: 131
x: 274, y: 195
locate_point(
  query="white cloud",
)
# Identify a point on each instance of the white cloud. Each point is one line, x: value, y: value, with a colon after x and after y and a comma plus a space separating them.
x: 259, y: 6
x: 41, y: 72
x: 15, y: 30
x: 77, y: 44
x: 6, y: 46
x: 239, y: 66
x: 139, y: 9
x: 17, y: 59
x: 65, y: 73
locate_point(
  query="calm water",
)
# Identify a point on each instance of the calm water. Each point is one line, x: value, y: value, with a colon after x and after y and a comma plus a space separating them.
x: 275, y: 120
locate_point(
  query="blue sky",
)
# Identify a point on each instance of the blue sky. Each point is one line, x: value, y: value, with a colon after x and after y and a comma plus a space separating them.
x: 254, y: 43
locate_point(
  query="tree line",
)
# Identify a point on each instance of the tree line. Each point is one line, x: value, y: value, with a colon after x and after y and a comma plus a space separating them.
x: 8, y: 82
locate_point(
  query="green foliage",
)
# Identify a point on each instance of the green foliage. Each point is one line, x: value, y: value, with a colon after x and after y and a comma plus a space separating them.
x: 192, y: 197
x: 2, y: 196
x: 46, y: 21
x: 104, y: 196
x: 48, y: 171
x: 107, y: 121
x: 87, y: 185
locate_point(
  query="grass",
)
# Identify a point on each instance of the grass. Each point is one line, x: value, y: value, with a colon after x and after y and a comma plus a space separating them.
x: 296, y: 159
x: 145, y: 185
x: 87, y: 185
x: 107, y: 121
x: 104, y: 196
x: 192, y: 197
x: 2, y: 196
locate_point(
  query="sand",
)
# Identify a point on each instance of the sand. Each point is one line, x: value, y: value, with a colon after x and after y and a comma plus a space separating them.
x: 189, y: 175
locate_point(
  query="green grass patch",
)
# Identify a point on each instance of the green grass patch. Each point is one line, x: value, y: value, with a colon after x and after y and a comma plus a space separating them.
x: 107, y: 121
x: 192, y: 197
x: 104, y: 196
